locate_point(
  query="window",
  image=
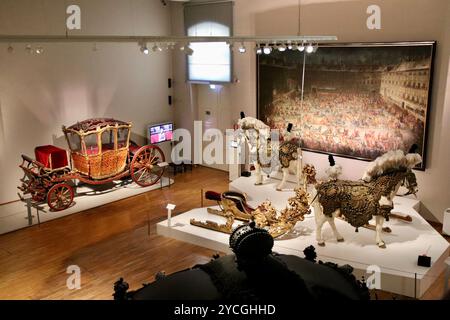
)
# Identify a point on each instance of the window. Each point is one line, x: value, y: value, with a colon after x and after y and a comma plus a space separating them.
x: 210, y: 61
x: 74, y: 142
x: 91, y: 143
x: 122, y: 137
x: 108, y: 140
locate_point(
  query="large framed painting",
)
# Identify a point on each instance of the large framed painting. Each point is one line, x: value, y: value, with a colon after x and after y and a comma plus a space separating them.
x: 355, y: 100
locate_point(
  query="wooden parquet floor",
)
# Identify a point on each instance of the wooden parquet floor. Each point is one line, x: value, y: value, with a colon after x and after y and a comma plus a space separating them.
x: 116, y: 240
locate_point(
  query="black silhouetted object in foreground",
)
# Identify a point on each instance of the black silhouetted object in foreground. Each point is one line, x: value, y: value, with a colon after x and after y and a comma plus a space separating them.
x: 242, y: 115
x: 289, y: 127
x: 310, y: 253
x: 120, y: 290
x: 254, y: 273
x: 331, y: 160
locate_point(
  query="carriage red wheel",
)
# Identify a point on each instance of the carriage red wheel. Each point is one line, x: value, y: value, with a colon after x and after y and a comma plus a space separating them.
x: 60, y: 197
x: 144, y: 168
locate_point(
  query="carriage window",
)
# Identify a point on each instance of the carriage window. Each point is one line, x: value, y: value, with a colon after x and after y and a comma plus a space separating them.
x: 74, y: 141
x: 108, y: 140
x: 122, y: 137
x: 90, y: 141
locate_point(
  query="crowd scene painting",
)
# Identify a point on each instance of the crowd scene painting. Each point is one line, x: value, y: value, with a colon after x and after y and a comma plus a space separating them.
x: 341, y: 114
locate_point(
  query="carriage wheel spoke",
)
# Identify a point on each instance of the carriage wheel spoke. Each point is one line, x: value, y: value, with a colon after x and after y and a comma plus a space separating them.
x: 142, y: 175
x: 145, y: 170
x: 136, y: 172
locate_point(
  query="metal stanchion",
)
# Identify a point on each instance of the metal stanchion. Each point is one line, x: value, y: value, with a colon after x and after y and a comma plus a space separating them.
x: 201, y: 198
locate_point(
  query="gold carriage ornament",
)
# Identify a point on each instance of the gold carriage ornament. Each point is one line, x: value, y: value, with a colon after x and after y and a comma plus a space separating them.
x: 100, y: 152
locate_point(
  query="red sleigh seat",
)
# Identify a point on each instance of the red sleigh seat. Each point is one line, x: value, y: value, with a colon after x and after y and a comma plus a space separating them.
x: 51, y: 157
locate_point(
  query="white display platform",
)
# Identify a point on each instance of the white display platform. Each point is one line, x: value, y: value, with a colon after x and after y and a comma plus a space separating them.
x: 397, y: 262
x: 14, y: 216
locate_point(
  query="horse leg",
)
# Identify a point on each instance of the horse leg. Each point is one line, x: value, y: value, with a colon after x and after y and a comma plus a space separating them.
x: 258, y: 174
x: 338, y: 236
x: 283, y: 180
x: 379, y: 227
x: 320, y: 220
x: 319, y: 224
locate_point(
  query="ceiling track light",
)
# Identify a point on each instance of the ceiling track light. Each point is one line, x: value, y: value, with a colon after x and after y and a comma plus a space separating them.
x: 301, y: 48
x: 29, y: 49
x: 242, y: 48
x: 315, y: 48
x: 156, y: 48
x: 39, y: 50
x: 188, y: 50
x: 267, y: 50
x: 145, y: 50
x: 282, y: 47
x: 309, y: 48
x: 258, y: 49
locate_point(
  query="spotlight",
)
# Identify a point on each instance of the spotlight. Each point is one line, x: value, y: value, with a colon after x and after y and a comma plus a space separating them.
x: 156, y: 48
x: 301, y: 48
x: 144, y: 49
x: 39, y: 50
x: 290, y: 46
x: 309, y: 48
x: 258, y: 49
x: 189, y: 51
x: 294, y: 47
x: 212, y: 86
x: 182, y: 47
x: 29, y: 49
x: 267, y: 50
x: 242, y: 48
x: 282, y: 48
x: 315, y: 48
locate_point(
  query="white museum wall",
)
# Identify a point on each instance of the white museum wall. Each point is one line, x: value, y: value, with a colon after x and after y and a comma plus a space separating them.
x: 401, y: 20
x: 72, y: 82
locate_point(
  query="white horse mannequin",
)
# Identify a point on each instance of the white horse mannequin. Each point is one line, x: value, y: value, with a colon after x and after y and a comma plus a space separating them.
x: 290, y: 156
x: 254, y: 130
x: 294, y: 157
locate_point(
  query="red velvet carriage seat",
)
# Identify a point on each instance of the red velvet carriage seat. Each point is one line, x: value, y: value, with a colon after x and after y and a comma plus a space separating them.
x: 51, y: 157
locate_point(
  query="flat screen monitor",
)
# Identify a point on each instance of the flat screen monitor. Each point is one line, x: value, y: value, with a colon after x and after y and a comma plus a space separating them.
x: 158, y: 133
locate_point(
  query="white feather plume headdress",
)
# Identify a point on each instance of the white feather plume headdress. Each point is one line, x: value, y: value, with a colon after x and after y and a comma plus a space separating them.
x: 391, y: 160
x: 248, y: 123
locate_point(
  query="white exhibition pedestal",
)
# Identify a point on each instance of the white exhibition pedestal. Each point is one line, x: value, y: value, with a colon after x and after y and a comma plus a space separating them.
x: 400, y: 273
x: 14, y: 216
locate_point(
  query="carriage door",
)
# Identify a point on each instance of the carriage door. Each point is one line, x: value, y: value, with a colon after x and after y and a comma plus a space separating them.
x: 109, y: 153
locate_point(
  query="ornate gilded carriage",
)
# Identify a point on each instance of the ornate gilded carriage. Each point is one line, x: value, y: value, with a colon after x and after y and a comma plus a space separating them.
x: 100, y: 152
x: 99, y: 147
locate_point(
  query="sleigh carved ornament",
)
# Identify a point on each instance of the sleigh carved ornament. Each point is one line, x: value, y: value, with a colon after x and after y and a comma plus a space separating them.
x: 234, y: 207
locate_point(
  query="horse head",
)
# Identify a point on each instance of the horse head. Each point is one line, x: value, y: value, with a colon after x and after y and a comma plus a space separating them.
x: 396, y: 167
x: 410, y: 183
